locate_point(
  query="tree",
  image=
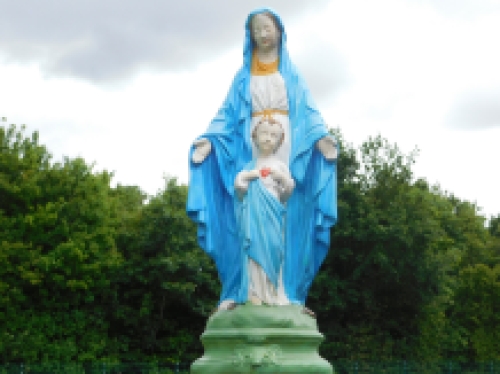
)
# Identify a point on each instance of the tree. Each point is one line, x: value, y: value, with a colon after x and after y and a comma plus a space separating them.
x: 477, y: 311
x: 91, y: 272
x: 56, y: 253
x: 395, y: 252
x: 167, y: 285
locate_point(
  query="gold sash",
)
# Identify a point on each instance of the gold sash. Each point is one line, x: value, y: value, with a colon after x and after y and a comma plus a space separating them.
x: 267, y: 113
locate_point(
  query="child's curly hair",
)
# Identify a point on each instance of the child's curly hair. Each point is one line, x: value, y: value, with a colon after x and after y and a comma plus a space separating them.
x: 271, y: 121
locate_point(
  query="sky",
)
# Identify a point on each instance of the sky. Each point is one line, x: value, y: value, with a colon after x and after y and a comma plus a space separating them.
x: 129, y: 85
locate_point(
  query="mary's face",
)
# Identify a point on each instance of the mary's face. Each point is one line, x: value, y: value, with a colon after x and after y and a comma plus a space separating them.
x: 264, y: 32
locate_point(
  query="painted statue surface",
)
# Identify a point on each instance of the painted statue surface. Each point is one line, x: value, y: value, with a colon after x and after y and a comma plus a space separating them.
x: 263, y: 177
x: 262, y: 188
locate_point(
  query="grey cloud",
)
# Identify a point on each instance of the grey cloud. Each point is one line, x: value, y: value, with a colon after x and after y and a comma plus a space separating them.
x: 476, y: 110
x: 109, y: 40
x: 464, y: 9
x: 324, y: 70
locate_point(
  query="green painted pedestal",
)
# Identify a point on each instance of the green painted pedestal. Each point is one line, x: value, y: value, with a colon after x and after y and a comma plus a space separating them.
x: 261, y: 339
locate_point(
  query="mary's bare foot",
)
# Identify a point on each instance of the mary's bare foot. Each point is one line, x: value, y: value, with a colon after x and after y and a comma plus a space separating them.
x: 225, y: 305
x: 231, y: 306
x: 309, y: 312
x: 255, y: 300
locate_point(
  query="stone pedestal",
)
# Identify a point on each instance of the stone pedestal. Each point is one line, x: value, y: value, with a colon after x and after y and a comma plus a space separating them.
x: 261, y: 339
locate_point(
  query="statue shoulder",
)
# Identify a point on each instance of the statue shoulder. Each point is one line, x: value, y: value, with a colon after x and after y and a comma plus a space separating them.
x: 241, y: 75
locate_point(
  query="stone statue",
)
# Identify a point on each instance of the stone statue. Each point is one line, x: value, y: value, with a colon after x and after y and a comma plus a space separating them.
x: 261, y: 189
x: 264, y: 208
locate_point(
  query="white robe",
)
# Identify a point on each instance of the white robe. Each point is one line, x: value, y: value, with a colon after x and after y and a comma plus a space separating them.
x: 269, y: 92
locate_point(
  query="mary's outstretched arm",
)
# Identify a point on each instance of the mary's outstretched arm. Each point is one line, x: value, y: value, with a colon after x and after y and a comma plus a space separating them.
x: 210, y: 199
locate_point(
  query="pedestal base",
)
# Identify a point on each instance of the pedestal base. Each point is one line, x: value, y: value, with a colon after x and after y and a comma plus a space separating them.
x: 261, y: 339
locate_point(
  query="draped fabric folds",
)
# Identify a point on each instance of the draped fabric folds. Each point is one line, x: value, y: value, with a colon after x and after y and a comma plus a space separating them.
x: 310, y: 211
x: 260, y: 217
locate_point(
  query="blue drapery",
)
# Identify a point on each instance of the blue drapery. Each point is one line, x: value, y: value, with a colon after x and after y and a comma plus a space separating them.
x: 310, y: 211
x: 260, y: 217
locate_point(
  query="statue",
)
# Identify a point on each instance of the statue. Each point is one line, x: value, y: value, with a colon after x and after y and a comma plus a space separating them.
x: 269, y: 259
x: 261, y: 190
x: 263, y: 194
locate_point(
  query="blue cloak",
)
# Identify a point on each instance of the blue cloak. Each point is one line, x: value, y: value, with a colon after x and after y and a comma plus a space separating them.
x: 260, y: 217
x: 312, y: 208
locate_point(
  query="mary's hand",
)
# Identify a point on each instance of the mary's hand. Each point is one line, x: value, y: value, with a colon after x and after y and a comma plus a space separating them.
x: 201, y: 151
x: 328, y: 147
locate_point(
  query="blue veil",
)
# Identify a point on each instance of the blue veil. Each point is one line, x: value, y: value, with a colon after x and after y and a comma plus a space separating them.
x: 311, y: 210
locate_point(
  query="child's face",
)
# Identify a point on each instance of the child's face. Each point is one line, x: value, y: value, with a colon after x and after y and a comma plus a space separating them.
x: 267, y: 137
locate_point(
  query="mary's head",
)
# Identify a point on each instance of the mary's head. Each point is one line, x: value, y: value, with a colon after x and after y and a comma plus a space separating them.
x: 265, y: 31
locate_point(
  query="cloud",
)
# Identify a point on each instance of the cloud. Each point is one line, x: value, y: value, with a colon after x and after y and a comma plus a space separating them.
x: 465, y: 9
x: 110, y: 40
x: 476, y: 110
x: 324, y: 69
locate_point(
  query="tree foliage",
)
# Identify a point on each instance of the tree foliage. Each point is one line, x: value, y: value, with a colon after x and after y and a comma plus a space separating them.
x: 91, y: 271
x: 57, y: 252
x: 166, y: 286
x: 390, y: 283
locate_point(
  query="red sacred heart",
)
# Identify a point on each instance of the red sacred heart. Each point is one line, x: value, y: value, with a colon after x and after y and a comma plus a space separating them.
x: 265, y: 172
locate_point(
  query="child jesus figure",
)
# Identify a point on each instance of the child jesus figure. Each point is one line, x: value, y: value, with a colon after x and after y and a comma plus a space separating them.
x: 261, y: 192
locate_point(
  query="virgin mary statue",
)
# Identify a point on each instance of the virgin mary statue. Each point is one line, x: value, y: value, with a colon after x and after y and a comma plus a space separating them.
x: 266, y: 86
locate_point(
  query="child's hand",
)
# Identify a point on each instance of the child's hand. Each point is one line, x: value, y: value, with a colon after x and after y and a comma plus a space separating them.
x: 253, y: 174
x: 277, y: 175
